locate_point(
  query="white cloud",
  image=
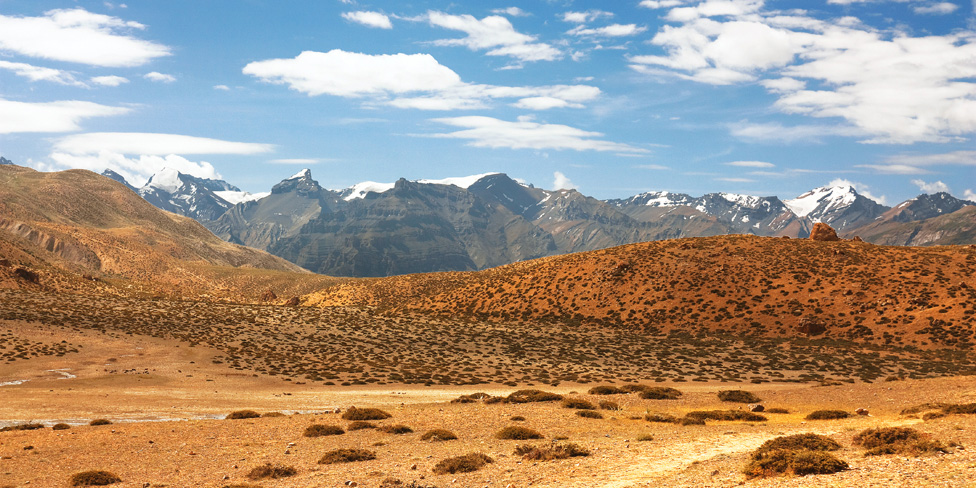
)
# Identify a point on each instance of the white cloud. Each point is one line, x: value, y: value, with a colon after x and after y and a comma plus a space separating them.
x: 159, y: 77
x: 136, y: 169
x: 969, y: 194
x: 941, y: 8
x: 894, y: 169
x: 63, y: 116
x: 156, y: 144
x: 751, y: 164
x: 789, y: 135
x: 110, y: 80
x: 860, y: 188
x: 584, y: 17
x: 562, y: 182
x: 38, y: 73
x: 402, y: 80
x: 78, y: 36
x: 296, y: 161
x: 655, y: 167
x: 511, y: 12
x: 893, y: 88
x: 369, y: 19
x: 495, y: 33
x: 222, y: 87
x: 934, y: 187
x: 613, y: 30
x: 544, y: 103
x: 663, y: 3
x: 735, y: 180
x: 963, y: 158
x: 526, y: 134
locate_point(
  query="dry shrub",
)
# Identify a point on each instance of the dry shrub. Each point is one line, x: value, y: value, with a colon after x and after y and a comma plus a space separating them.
x: 923, y: 407
x: 967, y: 408
x: 797, y: 442
x: 360, y: 425
x: 731, y: 415
x: 517, y: 418
x: 517, y: 433
x: 100, y: 422
x: 645, y: 438
x: 661, y: 418
x: 438, y: 435
x: 472, y: 398
x: 462, y: 464
x: 347, y: 456
x: 398, y: 429
x: 795, y: 462
x: 27, y: 426
x: 532, y: 396
x: 738, y: 396
x: 606, y: 390
x: 271, y: 471
x: 273, y: 414
x: 777, y: 410
x: 932, y: 415
x: 578, y: 403
x: 589, y: 414
x: 691, y: 421
x: 659, y: 393
x: 897, y: 440
x: 243, y: 414
x: 94, y: 478
x: 550, y: 452
x: 364, y: 414
x: 61, y: 426
x: 319, y: 430
x: 608, y: 405
x: 828, y: 415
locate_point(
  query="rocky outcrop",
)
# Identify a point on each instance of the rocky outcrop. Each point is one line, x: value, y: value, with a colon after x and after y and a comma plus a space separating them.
x: 823, y: 232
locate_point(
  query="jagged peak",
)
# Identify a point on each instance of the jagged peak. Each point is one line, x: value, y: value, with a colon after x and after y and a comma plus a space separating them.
x: 167, y: 179
x: 305, y: 174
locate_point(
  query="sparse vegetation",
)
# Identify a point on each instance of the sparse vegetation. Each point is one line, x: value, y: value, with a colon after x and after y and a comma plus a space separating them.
x: 398, y: 429
x: 532, y: 396
x: 793, y: 462
x: 578, y: 403
x: 27, y: 426
x: 589, y: 414
x: 60, y: 426
x: 828, y: 415
x: 100, y: 422
x: 777, y: 410
x: 271, y: 471
x: 659, y: 393
x: 243, y: 414
x: 94, y: 478
x: 661, y: 418
x: 809, y: 442
x: 462, y: 464
x: 354, y: 413
x: 435, y: 435
x: 738, y: 396
x: 347, y: 456
x: 518, y: 433
x: 730, y: 415
x: 608, y: 405
x: 605, y: 390
x: 550, y: 452
x: 897, y: 440
x: 319, y: 430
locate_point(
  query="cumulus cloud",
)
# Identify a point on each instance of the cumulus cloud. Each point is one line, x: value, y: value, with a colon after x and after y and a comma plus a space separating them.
x: 135, y: 169
x: 562, y: 182
x: 969, y: 194
x: 63, y: 116
x: 78, y: 36
x: 892, y: 87
x: 934, y: 187
x: 511, y: 12
x: 612, y: 30
x: 369, y: 19
x: 663, y: 3
x: 38, y: 73
x: 110, y: 80
x: 940, y: 8
x: 415, y: 81
x: 159, y: 77
x: 584, y: 17
x: 527, y: 134
x: 860, y: 188
x: 494, y: 33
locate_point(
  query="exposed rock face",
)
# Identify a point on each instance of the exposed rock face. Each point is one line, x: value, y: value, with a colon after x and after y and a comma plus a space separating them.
x: 811, y: 326
x: 823, y: 232
x: 755, y: 407
x: 292, y: 302
x: 269, y: 296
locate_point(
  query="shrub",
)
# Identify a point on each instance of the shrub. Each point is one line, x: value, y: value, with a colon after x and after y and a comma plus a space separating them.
x: 606, y: 390
x: 94, y: 478
x: 732, y: 415
x: 438, y: 435
x: 896, y: 440
x: 271, y: 471
x: 828, y: 415
x: 347, y: 456
x: 550, y: 452
x: 319, y: 430
x: 398, y: 429
x: 472, y: 398
x: 659, y: 393
x: 777, y: 410
x: 61, y: 427
x: 645, y: 438
x: 360, y: 425
x: 796, y: 462
x: 635, y: 388
x: 589, y: 414
x: 532, y: 396
x: 691, y: 421
x: 462, y: 464
x: 578, y: 403
x: 517, y: 433
x: 354, y: 413
x: 608, y: 405
x: 27, y: 426
x: 100, y: 422
x: 932, y: 415
x: 517, y: 418
x: 968, y: 408
x: 661, y: 418
x: 243, y: 414
x: 809, y: 442
x: 738, y: 396
x: 272, y: 414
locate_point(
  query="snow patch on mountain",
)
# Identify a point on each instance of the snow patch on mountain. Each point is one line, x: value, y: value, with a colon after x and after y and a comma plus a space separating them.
x: 359, y: 190
x: 167, y: 180
x: 821, y: 200
x: 235, y: 197
x: 460, y: 181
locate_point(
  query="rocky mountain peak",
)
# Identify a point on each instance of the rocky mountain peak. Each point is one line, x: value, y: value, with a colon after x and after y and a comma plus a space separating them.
x: 300, y: 182
x: 4, y: 160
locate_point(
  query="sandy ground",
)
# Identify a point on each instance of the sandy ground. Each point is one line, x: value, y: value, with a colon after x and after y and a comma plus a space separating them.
x: 167, y: 400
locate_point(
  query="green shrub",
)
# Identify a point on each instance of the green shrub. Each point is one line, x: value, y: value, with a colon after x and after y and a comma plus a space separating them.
x: 347, y: 456
x: 360, y: 425
x: 94, y: 478
x: 589, y: 414
x: 518, y: 433
x: 319, y: 430
x: 271, y: 471
x: 532, y: 396
x: 100, y: 422
x: 809, y: 442
x: 243, y: 414
x: 606, y: 390
x: 738, y: 396
x: 550, y: 452
x: 398, y: 429
x: 61, y: 427
x: 828, y: 415
x: 578, y: 403
x: 795, y: 462
x: 438, y: 435
x: 731, y: 415
x: 659, y: 393
x: 354, y: 413
x: 27, y: 426
x: 462, y: 464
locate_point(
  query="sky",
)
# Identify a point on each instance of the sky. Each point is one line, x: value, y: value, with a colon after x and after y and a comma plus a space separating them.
x: 611, y: 98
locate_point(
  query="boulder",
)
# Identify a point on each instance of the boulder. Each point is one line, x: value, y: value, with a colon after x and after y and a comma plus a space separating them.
x: 811, y: 326
x: 292, y: 302
x: 823, y: 232
x: 756, y: 407
x: 861, y: 411
x: 268, y: 296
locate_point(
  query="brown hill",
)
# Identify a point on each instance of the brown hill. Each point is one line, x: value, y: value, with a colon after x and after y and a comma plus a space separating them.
x: 955, y: 228
x: 922, y: 297
x: 65, y: 225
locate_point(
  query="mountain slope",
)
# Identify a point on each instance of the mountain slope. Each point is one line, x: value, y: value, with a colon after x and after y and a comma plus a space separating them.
x: 78, y: 222
x: 840, y: 207
x: 954, y: 228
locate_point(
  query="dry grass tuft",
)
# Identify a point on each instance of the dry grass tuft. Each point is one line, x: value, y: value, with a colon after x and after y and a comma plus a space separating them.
x: 319, y: 430
x: 550, y: 452
x: 738, y: 396
x: 243, y: 414
x: 828, y: 415
x: 354, y: 413
x: 94, y: 478
x: 532, y: 396
x: 347, y: 456
x: 271, y: 471
x: 462, y: 464
x: 659, y: 393
x: 360, y: 425
x: 897, y: 440
x: 398, y: 429
x: 578, y: 403
x: 436, y: 435
x: 518, y: 433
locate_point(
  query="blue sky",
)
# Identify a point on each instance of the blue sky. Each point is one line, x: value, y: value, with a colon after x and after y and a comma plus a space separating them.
x: 613, y: 98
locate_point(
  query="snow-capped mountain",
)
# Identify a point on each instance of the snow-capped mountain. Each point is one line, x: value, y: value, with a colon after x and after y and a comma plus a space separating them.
x: 841, y: 207
x: 926, y: 206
